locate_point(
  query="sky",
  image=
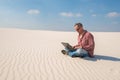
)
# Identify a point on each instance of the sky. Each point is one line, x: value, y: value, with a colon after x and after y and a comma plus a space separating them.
x: 95, y: 15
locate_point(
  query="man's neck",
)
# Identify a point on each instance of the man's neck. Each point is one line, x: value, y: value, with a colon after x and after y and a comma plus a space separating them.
x: 82, y: 32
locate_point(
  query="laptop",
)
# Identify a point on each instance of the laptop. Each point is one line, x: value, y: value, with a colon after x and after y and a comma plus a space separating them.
x: 67, y: 45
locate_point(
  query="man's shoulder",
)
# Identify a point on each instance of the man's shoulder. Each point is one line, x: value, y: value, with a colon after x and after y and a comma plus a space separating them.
x: 89, y: 34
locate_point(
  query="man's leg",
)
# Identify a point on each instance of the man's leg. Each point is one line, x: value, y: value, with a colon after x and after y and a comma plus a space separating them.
x: 67, y: 51
x: 71, y: 53
x: 78, y: 53
x: 82, y: 52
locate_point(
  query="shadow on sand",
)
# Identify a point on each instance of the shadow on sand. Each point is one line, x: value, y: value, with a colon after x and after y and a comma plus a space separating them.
x: 102, y: 57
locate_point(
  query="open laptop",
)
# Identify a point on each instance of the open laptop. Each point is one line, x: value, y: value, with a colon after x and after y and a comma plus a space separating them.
x: 67, y: 45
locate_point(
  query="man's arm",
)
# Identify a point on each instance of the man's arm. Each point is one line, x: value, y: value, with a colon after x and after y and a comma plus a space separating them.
x: 77, y: 46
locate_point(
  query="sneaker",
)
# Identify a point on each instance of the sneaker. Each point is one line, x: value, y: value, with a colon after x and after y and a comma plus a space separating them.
x: 64, y: 52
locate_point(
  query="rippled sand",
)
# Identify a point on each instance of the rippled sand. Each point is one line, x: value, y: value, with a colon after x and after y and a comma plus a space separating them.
x: 36, y: 55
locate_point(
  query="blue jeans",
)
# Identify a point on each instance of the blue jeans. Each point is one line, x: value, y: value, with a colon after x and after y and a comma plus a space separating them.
x: 77, y: 53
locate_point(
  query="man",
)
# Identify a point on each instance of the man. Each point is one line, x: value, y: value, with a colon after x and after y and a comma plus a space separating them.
x: 85, y: 46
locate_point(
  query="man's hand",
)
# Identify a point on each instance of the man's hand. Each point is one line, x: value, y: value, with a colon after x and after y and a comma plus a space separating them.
x: 73, y: 47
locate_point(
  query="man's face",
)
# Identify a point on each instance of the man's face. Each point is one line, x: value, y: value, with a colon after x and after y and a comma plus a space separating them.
x: 78, y: 29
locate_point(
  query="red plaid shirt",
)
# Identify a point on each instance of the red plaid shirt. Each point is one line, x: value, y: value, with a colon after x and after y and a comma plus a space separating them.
x: 87, y: 42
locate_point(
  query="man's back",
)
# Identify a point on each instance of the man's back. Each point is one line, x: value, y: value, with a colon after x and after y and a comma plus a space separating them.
x: 87, y: 43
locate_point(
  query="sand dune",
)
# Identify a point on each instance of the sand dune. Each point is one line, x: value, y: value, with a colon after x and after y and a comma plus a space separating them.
x: 35, y: 55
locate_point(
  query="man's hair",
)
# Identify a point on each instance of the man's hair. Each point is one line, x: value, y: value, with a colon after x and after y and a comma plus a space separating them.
x: 79, y: 24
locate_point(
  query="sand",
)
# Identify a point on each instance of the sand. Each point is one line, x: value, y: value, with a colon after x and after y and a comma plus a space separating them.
x: 36, y: 55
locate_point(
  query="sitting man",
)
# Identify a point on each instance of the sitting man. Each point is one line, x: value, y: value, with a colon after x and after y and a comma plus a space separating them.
x: 85, y: 46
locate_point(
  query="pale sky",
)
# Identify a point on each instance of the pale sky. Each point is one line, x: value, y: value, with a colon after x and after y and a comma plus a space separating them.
x: 96, y: 15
